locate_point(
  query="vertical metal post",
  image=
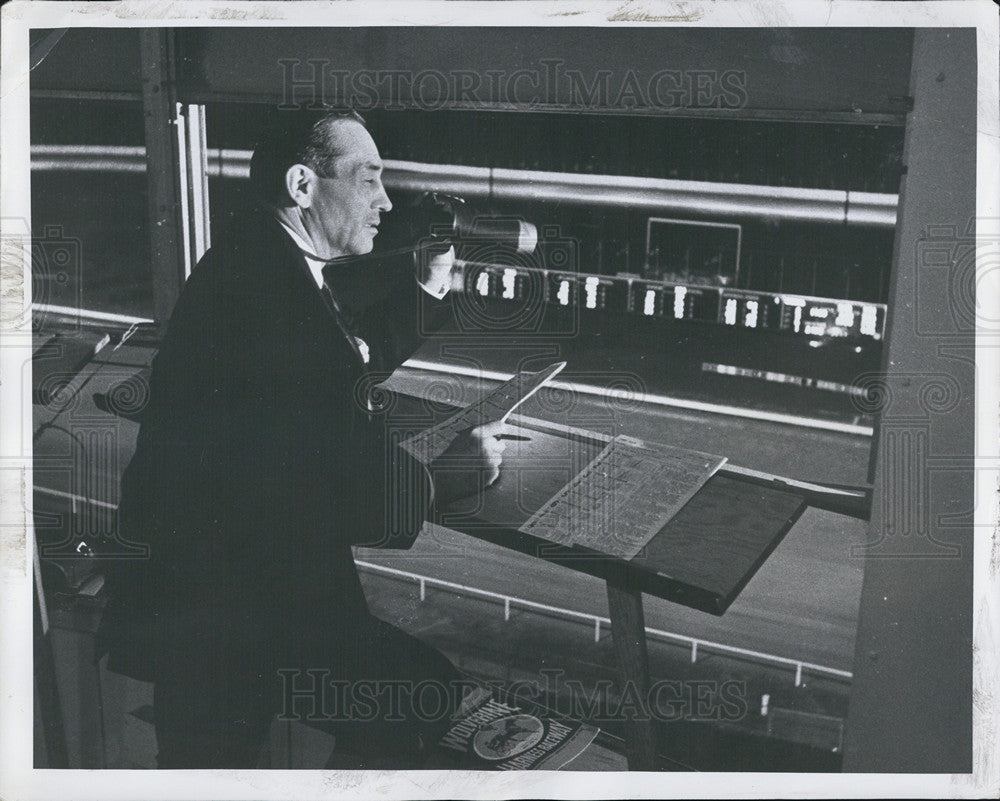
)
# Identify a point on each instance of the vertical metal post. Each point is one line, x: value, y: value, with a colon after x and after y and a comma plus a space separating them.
x: 194, y: 157
x: 163, y: 170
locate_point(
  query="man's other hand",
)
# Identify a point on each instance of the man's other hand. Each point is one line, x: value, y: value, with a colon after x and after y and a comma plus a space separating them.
x: 471, y: 463
x: 434, y: 269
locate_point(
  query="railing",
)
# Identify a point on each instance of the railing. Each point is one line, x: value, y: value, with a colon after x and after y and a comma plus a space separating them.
x: 694, y: 642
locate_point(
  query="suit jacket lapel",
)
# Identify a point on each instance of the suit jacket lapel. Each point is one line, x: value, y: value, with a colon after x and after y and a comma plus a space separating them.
x: 304, y: 284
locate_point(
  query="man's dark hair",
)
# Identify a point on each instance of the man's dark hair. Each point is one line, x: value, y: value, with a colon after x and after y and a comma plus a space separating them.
x: 295, y: 137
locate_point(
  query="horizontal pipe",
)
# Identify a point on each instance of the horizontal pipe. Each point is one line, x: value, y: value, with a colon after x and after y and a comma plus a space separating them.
x: 89, y: 314
x: 89, y: 158
x: 652, y: 194
x: 661, y: 195
x: 871, y: 208
x: 451, y: 179
x: 671, y: 196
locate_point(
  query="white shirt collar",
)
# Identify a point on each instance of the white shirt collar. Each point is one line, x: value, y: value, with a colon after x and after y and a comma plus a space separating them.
x: 315, y: 265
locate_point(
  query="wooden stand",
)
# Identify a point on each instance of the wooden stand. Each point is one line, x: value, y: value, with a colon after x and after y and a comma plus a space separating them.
x: 702, y: 558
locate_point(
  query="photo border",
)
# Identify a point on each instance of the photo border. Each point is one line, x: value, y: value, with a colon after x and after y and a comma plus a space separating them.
x: 16, y: 719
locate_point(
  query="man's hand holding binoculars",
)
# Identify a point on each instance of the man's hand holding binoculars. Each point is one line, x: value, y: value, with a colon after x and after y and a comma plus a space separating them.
x: 434, y: 269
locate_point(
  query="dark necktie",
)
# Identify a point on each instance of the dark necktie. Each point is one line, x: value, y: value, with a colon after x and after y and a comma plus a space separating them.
x: 342, y: 323
x: 345, y: 329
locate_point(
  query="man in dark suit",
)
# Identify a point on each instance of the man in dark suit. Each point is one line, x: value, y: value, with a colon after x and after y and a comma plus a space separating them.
x: 259, y: 465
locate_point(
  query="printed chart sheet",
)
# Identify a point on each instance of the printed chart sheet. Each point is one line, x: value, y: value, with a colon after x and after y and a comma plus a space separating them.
x: 619, y: 501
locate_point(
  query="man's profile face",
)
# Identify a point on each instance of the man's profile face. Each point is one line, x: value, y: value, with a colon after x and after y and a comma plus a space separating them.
x: 343, y: 217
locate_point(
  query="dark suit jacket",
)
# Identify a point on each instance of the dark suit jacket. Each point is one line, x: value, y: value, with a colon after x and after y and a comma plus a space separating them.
x: 257, y: 465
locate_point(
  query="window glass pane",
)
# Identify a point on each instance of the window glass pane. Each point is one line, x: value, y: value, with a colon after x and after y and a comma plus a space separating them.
x: 89, y: 207
x: 100, y: 218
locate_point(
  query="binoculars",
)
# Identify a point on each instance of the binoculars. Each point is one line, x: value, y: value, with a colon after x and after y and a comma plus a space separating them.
x: 437, y: 221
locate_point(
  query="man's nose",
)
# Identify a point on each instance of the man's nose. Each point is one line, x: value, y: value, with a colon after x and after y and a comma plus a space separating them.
x: 382, y: 202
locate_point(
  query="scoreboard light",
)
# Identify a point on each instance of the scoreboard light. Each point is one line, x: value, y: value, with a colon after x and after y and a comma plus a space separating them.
x: 647, y: 299
x: 817, y: 318
x: 680, y: 292
x: 696, y: 303
x: 649, y: 302
x: 562, y: 289
x: 829, y: 318
x: 483, y: 284
x: 604, y: 293
x: 744, y: 311
x: 501, y: 282
x: 729, y: 315
x: 869, y: 318
x: 509, y: 283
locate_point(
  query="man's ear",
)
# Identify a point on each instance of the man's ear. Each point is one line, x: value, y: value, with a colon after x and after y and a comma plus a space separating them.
x: 300, y: 182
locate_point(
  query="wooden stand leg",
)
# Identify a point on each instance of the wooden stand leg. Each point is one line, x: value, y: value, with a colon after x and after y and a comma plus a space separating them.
x: 628, y: 633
